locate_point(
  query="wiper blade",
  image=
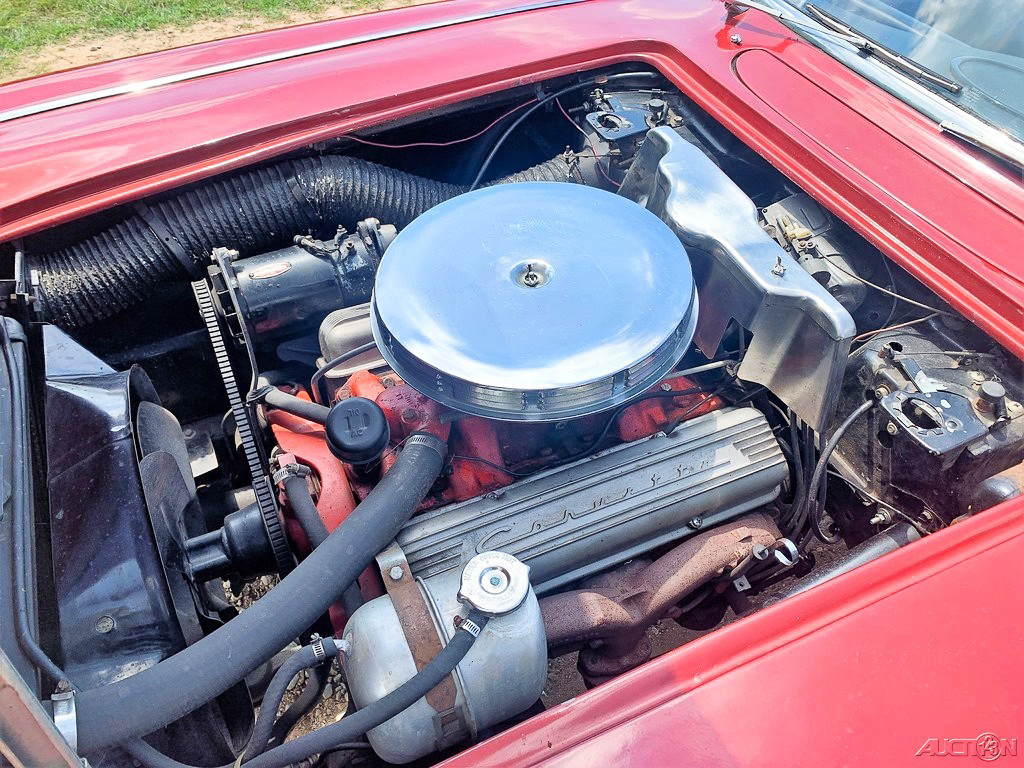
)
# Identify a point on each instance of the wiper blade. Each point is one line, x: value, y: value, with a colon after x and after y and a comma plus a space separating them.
x: 839, y: 31
x: 872, y: 48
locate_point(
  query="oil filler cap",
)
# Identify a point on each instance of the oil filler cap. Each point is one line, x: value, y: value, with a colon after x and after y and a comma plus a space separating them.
x: 357, y: 430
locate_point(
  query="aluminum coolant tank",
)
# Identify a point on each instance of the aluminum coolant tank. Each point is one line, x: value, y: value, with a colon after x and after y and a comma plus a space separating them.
x: 537, y: 301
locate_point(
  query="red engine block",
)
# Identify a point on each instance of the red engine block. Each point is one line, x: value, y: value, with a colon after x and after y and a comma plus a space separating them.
x: 483, y: 455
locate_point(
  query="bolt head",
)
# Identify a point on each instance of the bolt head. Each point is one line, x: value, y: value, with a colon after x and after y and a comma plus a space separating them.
x: 735, y: 39
x: 696, y: 523
x: 105, y: 624
x: 892, y: 429
x: 494, y: 580
x: 396, y: 573
x: 881, y: 392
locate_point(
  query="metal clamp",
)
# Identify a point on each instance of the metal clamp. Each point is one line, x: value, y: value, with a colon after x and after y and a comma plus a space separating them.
x: 293, y: 469
x: 784, y: 552
x: 470, y: 626
x: 319, y: 652
x: 65, y: 718
x: 414, y: 615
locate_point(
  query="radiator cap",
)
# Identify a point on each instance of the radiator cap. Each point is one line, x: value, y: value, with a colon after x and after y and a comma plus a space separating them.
x: 536, y: 301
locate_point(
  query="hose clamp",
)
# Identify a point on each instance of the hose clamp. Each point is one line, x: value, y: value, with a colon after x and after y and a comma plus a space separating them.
x: 429, y: 441
x: 293, y: 469
x: 470, y: 626
x: 65, y: 718
x: 319, y: 652
x: 257, y: 396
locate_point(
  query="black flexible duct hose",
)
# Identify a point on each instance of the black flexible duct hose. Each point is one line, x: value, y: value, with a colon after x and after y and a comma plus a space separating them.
x: 251, y: 212
x: 174, y: 687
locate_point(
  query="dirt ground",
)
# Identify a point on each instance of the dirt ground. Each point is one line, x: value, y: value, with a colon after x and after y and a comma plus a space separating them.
x: 77, y: 52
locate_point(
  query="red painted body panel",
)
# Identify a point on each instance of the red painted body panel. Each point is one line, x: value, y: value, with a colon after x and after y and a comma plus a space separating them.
x: 855, y: 148
x: 924, y: 643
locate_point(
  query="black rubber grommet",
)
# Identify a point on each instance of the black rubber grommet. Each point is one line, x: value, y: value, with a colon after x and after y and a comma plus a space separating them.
x: 357, y: 431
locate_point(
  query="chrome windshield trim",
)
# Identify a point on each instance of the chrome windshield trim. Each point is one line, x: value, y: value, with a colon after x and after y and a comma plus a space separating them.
x: 950, y: 118
x: 145, y: 85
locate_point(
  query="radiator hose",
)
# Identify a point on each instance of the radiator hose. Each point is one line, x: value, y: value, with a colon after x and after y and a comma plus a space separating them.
x: 172, y: 688
x: 251, y: 212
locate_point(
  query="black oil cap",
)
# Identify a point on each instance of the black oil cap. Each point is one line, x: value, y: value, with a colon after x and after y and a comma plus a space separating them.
x: 357, y: 431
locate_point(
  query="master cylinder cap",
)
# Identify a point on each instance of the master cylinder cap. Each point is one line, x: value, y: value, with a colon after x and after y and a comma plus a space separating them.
x: 537, y: 301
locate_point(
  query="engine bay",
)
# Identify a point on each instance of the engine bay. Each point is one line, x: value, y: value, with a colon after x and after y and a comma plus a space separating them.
x: 463, y: 405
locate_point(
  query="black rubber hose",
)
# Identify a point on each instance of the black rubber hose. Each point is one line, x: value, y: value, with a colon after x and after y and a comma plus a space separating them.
x: 297, y: 493
x: 275, y: 398
x: 250, y: 212
x: 316, y: 682
x: 167, y: 691
x: 330, y: 365
x: 404, y: 696
x: 307, y: 656
x: 343, y: 733
x: 153, y: 758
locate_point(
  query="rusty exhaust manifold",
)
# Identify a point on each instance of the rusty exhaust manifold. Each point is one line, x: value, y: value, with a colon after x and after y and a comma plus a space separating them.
x: 610, y: 617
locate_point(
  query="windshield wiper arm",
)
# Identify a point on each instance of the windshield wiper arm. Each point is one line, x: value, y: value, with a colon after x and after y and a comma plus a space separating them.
x: 872, y: 48
x: 996, y: 144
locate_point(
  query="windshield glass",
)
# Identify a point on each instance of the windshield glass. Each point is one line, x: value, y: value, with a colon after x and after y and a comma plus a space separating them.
x: 976, y: 43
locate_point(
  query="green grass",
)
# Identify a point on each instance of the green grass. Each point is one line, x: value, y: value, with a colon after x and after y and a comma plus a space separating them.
x: 27, y: 25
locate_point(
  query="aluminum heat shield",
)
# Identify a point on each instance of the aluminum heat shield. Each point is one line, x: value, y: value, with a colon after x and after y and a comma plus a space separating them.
x: 583, y: 518
x: 801, y: 335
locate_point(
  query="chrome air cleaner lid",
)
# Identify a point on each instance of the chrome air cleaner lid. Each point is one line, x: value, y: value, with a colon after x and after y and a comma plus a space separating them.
x: 534, y: 302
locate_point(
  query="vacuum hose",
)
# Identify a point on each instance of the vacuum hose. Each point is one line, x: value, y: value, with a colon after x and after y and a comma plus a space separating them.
x: 341, y: 734
x: 251, y: 212
x: 304, y: 658
x: 156, y: 696
x: 369, y: 717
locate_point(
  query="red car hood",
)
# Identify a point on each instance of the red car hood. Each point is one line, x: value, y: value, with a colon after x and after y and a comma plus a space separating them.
x: 923, y: 644
x: 948, y: 215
